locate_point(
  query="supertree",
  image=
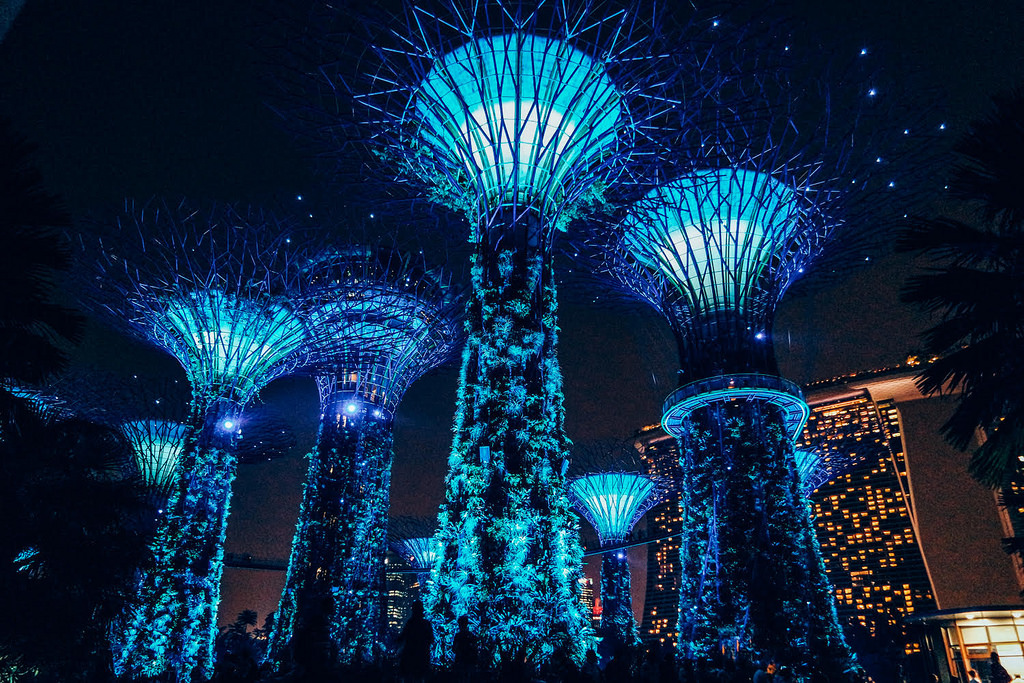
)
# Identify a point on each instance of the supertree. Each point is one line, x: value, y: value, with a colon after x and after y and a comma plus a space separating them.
x: 379, y: 320
x: 613, y: 502
x: 412, y: 539
x: 762, y: 186
x: 215, y: 290
x: 516, y: 115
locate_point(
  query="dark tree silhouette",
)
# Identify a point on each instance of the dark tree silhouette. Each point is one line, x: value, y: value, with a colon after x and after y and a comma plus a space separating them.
x: 71, y: 542
x: 976, y: 286
x: 33, y: 329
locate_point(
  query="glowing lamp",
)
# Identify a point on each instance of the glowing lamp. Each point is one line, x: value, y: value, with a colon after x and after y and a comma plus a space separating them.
x: 612, y: 502
x: 715, y: 233
x: 519, y: 114
x: 222, y: 340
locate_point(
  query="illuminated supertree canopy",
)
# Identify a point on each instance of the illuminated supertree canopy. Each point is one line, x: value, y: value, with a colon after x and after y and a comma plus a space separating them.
x: 613, y: 502
x: 157, y: 446
x: 420, y: 552
x: 776, y: 186
x: 412, y: 539
x: 214, y: 289
x: 379, y: 320
x: 516, y: 117
x: 519, y: 119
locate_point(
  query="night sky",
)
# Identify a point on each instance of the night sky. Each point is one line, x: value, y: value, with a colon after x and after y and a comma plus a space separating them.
x: 141, y: 99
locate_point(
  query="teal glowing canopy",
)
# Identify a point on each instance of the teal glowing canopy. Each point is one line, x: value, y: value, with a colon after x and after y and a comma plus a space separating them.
x: 229, y: 345
x: 518, y: 119
x: 716, y: 234
x: 156, y: 446
x: 612, y: 502
x: 420, y: 552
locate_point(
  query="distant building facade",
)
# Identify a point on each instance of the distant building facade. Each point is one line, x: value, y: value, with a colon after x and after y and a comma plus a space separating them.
x: 660, y: 622
x: 865, y: 520
x: 591, y: 603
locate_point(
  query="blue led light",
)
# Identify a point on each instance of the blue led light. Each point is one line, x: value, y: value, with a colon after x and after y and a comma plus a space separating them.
x: 714, y: 233
x: 421, y: 552
x: 612, y: 502
x: 520, y: 114
x: 350, y: 407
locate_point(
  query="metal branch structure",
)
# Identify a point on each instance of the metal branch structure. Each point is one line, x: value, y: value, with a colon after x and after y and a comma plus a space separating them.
x: 379, y: 320
x: 215, y: 290
x: 420, y: 553
x: 516, y: 115
x: 613, y: 502
x: 761, y: 187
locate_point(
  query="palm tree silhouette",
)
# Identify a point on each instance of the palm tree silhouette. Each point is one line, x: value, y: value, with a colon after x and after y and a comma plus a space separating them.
x: 977, y: 288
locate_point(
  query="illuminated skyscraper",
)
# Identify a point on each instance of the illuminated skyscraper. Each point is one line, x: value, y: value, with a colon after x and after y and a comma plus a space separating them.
x: 660, y: 622
x: 864, y: 518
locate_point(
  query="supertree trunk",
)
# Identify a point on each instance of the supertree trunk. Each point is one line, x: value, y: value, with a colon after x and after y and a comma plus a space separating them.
x: 172, y: 624
x: 331, y: 609
x: 509, y: 554
x: 754, y: 586
x: 617, y: 623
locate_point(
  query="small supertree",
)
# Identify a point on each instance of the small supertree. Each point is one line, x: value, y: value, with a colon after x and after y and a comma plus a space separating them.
x: 613, y: 502
x: 379, y: 320
x: 769, y: 185
x: 421, y: 553
x: 412, y: 539
x: 214, y: 289
x: 516, y: 115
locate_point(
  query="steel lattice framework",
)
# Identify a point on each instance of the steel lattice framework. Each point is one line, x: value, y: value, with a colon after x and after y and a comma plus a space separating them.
x: 516, y: 115
x: 215, y: 290
x: 613, y: 502
x: 379, y: 319
x: 762, y: 186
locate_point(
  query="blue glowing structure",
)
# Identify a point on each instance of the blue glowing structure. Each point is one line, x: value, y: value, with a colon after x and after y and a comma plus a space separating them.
x: 721, y: 246
x: 379, y: 320
x: 157, y: 446
x: 512, y: 117
x: 613, y: 502
x: 421, y: 553
x: 713, y: 243
x: 214, y: 289
x: 715, y: 234
x: 519, y: 119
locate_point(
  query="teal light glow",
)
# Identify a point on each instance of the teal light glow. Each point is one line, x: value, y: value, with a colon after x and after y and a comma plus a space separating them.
x: 420, y: 552
x: 612, y: 502
x: 224, y: 342
x: 715, y: 233
x: 157, y: 447
x: 518, y: 116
